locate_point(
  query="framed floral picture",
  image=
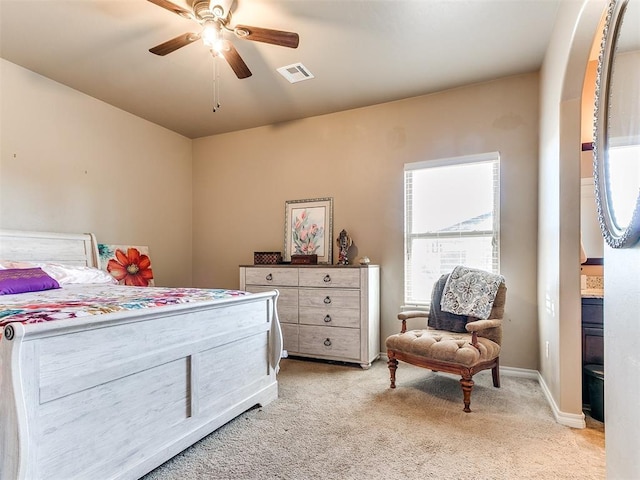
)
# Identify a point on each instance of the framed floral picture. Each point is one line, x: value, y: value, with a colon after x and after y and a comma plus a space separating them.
x: 128, y: 264
x: 308, y: 228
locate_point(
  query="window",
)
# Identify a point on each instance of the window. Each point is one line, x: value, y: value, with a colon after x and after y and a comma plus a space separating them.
x: 451, y: 218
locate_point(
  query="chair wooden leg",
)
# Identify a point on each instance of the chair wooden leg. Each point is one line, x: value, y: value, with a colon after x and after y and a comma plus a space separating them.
x: 495, y: 373
x: 393, y: 366
x: 467, y: 386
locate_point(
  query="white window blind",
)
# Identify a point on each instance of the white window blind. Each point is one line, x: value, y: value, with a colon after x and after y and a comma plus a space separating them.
x: 451, y: 218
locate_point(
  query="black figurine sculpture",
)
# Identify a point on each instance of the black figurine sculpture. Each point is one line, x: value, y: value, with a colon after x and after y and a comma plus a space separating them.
x: 344, y: 242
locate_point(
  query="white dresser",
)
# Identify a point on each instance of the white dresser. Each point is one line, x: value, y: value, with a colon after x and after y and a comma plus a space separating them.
x: 326, y: 311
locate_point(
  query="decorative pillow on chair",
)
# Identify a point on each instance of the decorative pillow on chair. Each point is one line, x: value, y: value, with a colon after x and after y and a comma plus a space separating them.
x: 470, y: 291
x: 21, y: 280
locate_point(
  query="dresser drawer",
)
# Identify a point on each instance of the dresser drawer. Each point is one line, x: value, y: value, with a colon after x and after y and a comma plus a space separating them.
x: 337, y: 317
x: 285, y: 277
x: 287, y: 301
x: 318, y: 297
x: 325, y: 342
x: 330, y: 277
x: 335, y: 307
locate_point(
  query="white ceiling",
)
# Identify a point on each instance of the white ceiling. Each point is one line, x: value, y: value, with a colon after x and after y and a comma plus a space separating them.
x: 361, y: 53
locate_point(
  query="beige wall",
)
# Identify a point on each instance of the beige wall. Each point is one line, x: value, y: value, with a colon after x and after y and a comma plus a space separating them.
x: 242, y: 180
x: 71, y: 163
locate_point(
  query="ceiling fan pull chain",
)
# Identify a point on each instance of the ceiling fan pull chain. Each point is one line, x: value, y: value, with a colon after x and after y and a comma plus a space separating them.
x: 216, y: 83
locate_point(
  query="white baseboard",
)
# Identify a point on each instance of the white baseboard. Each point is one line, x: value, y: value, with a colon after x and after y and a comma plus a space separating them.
x: 519, y: 372
x: 568, y: 419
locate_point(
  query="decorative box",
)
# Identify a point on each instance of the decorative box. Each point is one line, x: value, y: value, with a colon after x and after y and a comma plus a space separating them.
x: 304, y: 259
x: 266, y: 258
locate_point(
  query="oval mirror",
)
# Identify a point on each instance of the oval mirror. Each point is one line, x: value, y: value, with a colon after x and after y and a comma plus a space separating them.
x: 617, y: 126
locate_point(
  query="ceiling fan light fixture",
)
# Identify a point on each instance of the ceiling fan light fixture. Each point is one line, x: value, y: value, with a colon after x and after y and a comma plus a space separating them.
x: 212, y: 36
x: 213, y: 18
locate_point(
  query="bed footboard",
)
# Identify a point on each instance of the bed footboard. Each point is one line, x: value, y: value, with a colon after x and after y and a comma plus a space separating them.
x: 114, y: 398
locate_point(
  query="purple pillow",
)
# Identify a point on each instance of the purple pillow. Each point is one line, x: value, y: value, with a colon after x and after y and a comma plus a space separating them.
x: 20, y: 280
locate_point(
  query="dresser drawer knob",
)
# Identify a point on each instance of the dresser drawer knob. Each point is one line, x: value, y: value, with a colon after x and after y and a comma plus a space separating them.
x: 327, y: 319
x: 269, y: 277
x: 327, y: 342
x: 327, y: 278
x: 327, y: 300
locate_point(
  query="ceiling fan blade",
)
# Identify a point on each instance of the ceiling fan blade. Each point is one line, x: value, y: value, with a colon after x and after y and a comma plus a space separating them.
x: 175, y: 43
x: 235, y: 61
x: 172, y: 7
x: 267, y: 35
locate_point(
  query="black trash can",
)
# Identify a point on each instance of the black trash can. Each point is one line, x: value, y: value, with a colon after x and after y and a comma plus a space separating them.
x: 595, y: 386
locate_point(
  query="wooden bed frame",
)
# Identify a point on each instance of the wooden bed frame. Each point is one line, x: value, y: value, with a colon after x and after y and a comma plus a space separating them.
x: 114, y: 396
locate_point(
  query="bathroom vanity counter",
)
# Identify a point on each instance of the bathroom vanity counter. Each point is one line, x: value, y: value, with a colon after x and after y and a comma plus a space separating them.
x: 592, y: 293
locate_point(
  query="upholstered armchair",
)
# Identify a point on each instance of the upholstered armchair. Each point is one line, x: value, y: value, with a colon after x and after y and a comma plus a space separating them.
x: 462, y: 345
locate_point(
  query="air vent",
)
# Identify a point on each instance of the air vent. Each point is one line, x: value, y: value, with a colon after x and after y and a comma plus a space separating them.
x: 295, y: 73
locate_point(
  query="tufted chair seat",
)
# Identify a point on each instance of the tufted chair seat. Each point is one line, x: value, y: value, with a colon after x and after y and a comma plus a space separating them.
x: 464, y: 353
x: 444, y: 346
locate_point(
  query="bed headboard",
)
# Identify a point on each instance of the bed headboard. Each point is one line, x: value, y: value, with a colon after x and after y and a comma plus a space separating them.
x: 65, y: 248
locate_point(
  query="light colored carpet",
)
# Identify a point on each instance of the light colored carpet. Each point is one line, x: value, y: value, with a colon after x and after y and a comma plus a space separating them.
x: 333, y: 421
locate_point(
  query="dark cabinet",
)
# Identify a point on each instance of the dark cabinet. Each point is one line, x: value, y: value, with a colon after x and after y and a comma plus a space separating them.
x: 592, y: 338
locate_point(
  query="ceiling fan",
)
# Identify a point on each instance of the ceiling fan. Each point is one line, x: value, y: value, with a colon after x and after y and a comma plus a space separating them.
x: 215, y: 19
